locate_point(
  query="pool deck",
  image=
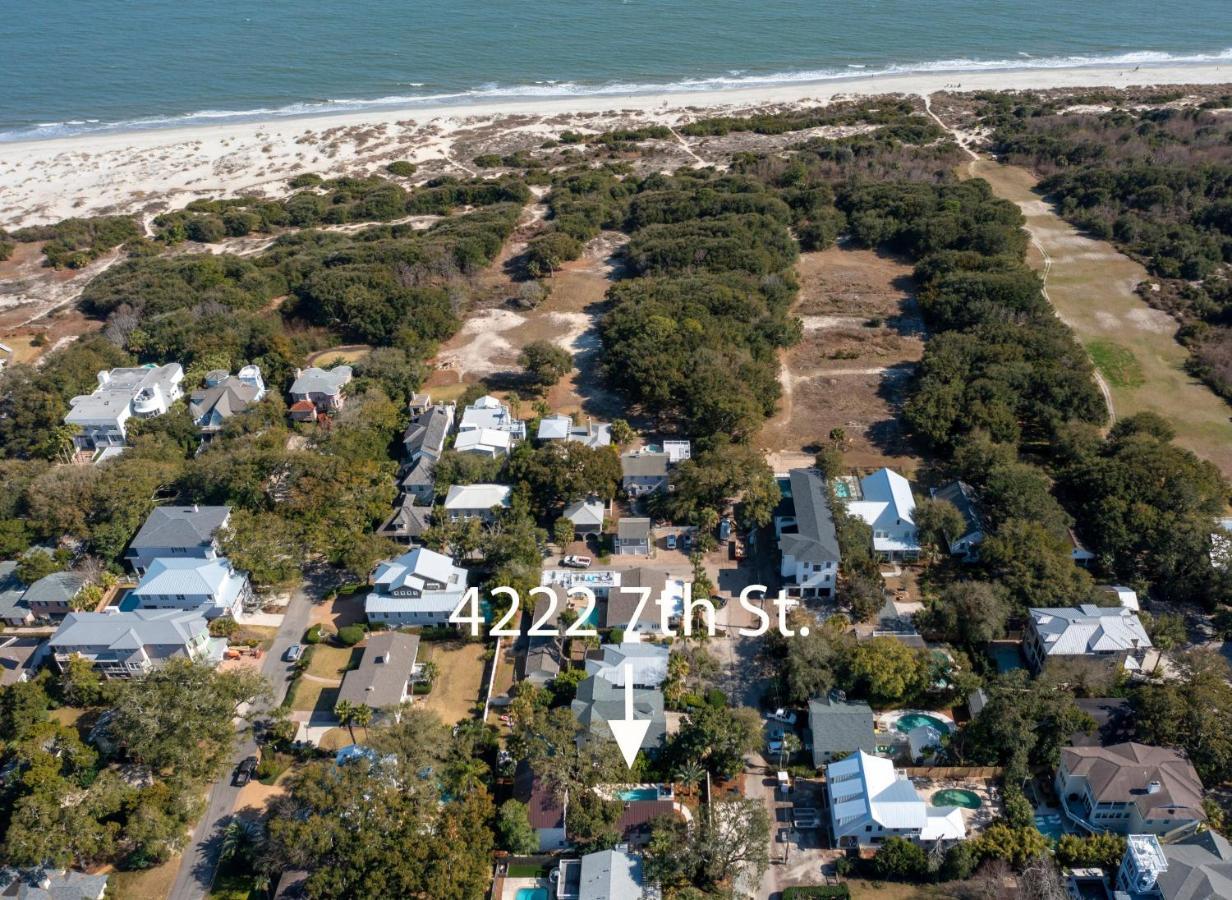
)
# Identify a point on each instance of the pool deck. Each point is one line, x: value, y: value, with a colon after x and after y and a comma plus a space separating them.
x: 976, y: 819
x: 511, y: 886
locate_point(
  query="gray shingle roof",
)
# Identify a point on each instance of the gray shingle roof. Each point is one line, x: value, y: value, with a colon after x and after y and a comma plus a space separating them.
x: 383, y: 672
x: 58, y: 587
x: 180, y: 526
x: 1121, y: 773
x: 1199, y: 868
x: 840, y: 726
x: 633, y: 529
x: 962, y: 496
x: 427, y: 432
x: 643, y: 465
x: 129, y: 630
x: 815, y: 540
x: 228, y: 398
x: 11, y: 589
x: 315, y: 380
x: 598, y: 702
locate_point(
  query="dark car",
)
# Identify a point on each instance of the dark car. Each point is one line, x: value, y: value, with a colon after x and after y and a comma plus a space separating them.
x: 243, y: 772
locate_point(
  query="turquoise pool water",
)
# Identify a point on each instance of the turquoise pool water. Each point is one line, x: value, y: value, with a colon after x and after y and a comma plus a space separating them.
x: 641, y: 793
x: 915, y: 720
x: 591, y: 620
x: 841, y: 490
x: 957, y: 797
x: 1050, y: 825
x: 531, y: 894
x: 129, y: 603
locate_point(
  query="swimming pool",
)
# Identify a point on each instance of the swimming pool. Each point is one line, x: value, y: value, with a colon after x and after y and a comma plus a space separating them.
x: 841, y: 490
x: 957, y: 797
x: 531, y: 894
x: 1050, y: 825
x: 129, y: 602
x: 639, y: 793
x: 911, y: 721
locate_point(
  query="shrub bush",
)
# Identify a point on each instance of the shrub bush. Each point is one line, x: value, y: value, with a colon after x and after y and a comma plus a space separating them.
x: 350, y: 635
x: 401, y: 168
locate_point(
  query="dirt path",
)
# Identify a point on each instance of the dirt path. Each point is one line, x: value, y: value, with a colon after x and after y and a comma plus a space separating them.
x: 1092, y: 286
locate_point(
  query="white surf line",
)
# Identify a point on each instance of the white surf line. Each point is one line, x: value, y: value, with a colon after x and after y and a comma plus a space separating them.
x: 1100, y: 382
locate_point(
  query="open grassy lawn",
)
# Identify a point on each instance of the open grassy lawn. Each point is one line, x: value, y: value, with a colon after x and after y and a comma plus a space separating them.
x: 148, y: 884
x: 337, y: 738
x: 262, y: 633
x: 313, y: 696
x: 889, y: 890
x: 342, y: 355
x: 458, y: 686
x: 1091, y: 285
x: 332, y: 662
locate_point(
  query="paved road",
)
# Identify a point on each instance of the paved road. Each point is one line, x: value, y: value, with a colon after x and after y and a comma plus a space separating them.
x: 200, y: 859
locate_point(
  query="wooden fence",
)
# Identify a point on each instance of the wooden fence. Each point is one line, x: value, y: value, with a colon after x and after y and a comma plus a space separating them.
x: 954, y: 772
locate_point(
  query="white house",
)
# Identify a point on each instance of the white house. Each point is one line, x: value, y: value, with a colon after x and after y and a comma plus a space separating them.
x: 887, y: 505
x: 421, y: 587
x: 144, y: 392
x: 562, y: 428
x: 476, y: 501
x: 1112, y: 634
x: 489, y: 442
x: 808, y: 543
x: 488, y: 412
x: 870, y: 802
x: 677, y: 451
x: 648, y: 663
x: 586, y: 515
x: 126, y: 644
x: 209, y: 586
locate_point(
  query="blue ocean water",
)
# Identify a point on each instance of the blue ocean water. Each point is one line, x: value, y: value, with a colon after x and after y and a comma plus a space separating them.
x: 70, y: 66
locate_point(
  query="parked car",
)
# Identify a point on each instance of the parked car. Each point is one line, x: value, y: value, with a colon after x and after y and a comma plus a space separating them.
x: 774, y: 745
x: 686, y: 541
x: 671, y: 542
x: 576, y: 562
x: 294, y: 652
x: 243, y: 772
x: 786, y: 716
x: 805, y: 817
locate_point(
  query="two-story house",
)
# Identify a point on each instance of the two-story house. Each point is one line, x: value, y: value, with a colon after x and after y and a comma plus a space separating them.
x: 101, y: 418
x: 643, y: 472
x: 476, y: 501
x: 177, y: 532
x: 209, y: 586
x: 633, y: 536
x: 425, y: 437
x: 562, y: 428
x: 382, y: 680
x: 421, y: 587
x: 961, y: 496
x: 128, y: 644
x: 488, y: 412
x: 1106, y: 636
x: 319, y: 391
x: 869, y: 801
x: 1197, y: 867
x: 1130, y: 788
x: 886, y: 503
x: 808, y: 543
x: 223, y: 396
x: 52, y: 596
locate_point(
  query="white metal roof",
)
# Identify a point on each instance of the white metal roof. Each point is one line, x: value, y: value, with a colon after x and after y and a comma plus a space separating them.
x: 477, y: 496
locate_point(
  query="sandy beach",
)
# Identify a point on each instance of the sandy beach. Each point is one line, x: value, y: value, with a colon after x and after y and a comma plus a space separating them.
x: 150, y: 171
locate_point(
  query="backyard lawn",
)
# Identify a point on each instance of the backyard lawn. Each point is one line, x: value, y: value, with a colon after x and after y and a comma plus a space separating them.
x: 155, y: 882
x: 460, y: 679
x: 313, y: 696
x: 333, y: 662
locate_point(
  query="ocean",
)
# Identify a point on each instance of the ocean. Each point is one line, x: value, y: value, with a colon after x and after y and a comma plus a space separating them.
x: 73, y: 66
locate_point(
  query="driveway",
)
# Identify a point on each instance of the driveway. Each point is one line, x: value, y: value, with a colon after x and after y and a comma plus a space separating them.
x: 797, y: 857
x: 200, y: 859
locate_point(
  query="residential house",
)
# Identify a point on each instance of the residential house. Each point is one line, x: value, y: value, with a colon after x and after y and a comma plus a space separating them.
x: 52, y: 884
x: 224, y: 396
x: 20, y: 658
x: 613, y: 662
x: 886, y: 503
x: 962, y: 497
x: 807, y: 539
x: 101, y: 417
x: 425, y: 437
x: 545, y: 654
x: 561, y: 428
x: 633, y: 537
x: 171, y: 532
x: 476, y: 501
x: 1106, y: 635
x: 418, y: 404
x: 1126, y: 597
x: 586, y: 515
x: 869, y: 801
x: 126, y: 644
x: 606, y: 875
x: 666, y: 587
x: 13, y: 608
x: 419, y: 481
x: 1078, y: 550
x: 488, y: 412
x: 677, y: 451
x: 421, y: 587
x: 408, y: 522
x: 1197, y: 867
x: 637, y: 819
x: 1114, y: 721
x: 487, y: 442
x: 599, y: 701
x: 323, y: 388
x: 1130, y: 788
x: 210, y: 586
x: 840, y: 727
x: 547, y: 813
x: 51, y: 597
x: 383, y: 679
x: 643, y: 472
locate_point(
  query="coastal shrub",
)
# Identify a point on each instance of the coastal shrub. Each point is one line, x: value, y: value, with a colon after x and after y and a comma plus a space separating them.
x: 304, y: 180
x: 74, y: 243
x: 6, y: 249
x: 547, y: 252
x: 752, y: 243
x: 402, y: 168
x: 155, y: 285
x: 864, y: 112
x: 350, y: 635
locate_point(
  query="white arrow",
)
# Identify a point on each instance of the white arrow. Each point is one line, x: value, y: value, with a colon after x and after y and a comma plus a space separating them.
x: 629, y: 732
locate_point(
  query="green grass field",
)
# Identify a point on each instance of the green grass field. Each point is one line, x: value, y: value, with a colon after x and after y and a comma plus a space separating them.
x: 1117, y: 363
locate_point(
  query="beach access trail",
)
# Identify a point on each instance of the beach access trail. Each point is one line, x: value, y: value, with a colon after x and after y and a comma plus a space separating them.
x: 1140, y: 365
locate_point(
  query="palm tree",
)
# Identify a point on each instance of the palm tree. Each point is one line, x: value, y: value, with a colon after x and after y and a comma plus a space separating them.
x: 790, y: 747
x: 241, y: 839
x: 361, y: 715
x: 690, y: 775
x: 345, y: 711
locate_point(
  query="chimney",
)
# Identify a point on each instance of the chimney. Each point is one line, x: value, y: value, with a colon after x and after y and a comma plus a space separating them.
x: 1153, y: 787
